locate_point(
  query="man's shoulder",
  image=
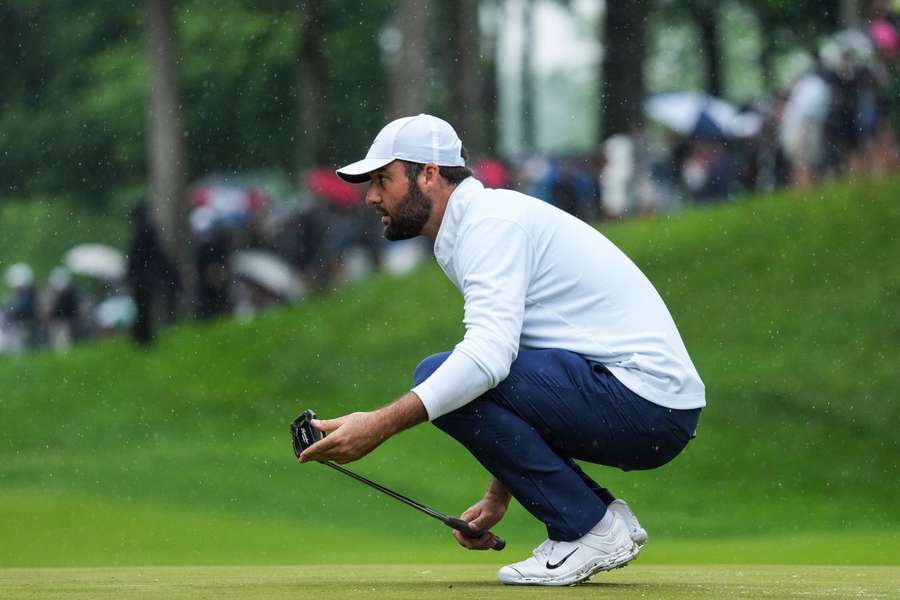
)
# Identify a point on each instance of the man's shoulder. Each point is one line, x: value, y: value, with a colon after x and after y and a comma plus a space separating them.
x: 502, y: 204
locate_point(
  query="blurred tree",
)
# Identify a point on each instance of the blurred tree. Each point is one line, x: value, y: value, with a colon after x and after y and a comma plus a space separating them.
x: 704, y: 14
x: 490, y: 84
x: 74, y: 81
x: 623, y: 91
x: 168, y: 169
x: 76, y: 78
x: 311, y: 151
x: 466, y: 110
x: 792, y: 24
x: 529, y: 116
x: 409, y: 79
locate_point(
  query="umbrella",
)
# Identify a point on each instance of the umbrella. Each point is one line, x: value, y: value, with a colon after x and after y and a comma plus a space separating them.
x: 325, y: 183
x: 96, y: 260
x: 117, y: 311
x: 268, y: 271
x: 700, y: 115
x: 492, y: 173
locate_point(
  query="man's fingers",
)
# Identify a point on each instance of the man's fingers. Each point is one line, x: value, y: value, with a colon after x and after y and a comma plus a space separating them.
x: 483, y: 543
x: 477, y: 522
x: 327, y: 425
x: 315, y: 451
x: 470, y: 514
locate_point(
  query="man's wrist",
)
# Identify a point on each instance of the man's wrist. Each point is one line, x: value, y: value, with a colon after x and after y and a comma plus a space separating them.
x: 400, y: 415
x: 497, y: 492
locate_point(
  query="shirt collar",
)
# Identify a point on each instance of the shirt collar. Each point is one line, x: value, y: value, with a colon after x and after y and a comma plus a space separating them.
x: 459, y: 199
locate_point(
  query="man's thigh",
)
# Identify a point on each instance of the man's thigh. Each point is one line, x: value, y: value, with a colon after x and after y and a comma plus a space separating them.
x: 583, y: 412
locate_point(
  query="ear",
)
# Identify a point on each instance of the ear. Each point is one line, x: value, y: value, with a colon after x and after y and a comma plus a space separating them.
x: 431, y: 173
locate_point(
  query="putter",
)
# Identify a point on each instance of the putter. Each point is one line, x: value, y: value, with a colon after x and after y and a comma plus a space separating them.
x: 304, y: 435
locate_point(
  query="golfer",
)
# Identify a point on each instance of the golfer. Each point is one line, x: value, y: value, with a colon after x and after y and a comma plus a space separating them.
x: 569, y: 353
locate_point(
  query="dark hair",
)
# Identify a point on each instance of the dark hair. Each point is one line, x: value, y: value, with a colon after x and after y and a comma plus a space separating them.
x: 453, y: 175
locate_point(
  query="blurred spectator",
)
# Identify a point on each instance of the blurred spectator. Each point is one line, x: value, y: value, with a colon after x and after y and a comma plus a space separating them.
x: 62, y: 309
x: 884, y: 31
x: 213, y: 246
x: 619, y: 175
x: 709, y: 171
x: 491, y: 172
x: 298, y: 233
x: 349, y: 225
x: 563, y: 191
x: 20, y: 310
x: 151, y: 274
x: 802, y: 133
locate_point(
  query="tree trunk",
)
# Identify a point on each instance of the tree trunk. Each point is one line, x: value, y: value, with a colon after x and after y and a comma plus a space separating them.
x: 466, y: 106
x: 707, y: 18
x: 168, y: 170
x: 490, y: 86
x: 623, y: 93
x: 850, y: 13
x: 409, y: 75
x: 529, y: 118
x: 311, y: 150
x: 767, y: 53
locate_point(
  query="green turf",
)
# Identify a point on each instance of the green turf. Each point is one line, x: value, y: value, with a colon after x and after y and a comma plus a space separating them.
x: 788, y: 305
x: 424, y: 582
x: 65, y: 529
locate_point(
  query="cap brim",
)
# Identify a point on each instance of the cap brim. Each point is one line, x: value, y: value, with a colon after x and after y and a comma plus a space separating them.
x: 358, y: 172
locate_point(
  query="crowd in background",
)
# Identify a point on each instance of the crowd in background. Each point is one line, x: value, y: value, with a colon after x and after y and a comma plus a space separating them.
x: 258, y: 243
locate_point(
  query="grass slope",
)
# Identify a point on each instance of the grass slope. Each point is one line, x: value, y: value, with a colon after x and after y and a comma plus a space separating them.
x: 41, y: 230
x: 181, y: 455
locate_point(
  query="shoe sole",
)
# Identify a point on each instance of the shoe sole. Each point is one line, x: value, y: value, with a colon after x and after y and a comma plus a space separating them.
x: 617, y: 561
x: 639, y: 537
x: 621, y: 560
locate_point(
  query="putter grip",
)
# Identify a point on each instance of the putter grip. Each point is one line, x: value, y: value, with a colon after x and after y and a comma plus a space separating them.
x: 463, y: 527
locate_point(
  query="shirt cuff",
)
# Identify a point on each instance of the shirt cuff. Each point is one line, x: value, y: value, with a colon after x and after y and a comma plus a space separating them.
x: 458, y: 381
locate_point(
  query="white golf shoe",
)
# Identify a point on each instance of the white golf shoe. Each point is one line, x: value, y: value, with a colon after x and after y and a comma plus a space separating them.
x: 638, y: 533
x: 607, y: 546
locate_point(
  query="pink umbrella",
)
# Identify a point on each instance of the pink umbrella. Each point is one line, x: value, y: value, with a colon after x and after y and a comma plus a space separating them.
x: 492, y: 173
x: 325, y: 183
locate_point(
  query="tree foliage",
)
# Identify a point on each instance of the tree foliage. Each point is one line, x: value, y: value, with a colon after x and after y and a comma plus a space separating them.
x: 75, y: 78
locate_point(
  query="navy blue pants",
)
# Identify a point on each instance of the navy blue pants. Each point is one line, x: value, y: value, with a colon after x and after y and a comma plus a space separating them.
x: 555, y: 406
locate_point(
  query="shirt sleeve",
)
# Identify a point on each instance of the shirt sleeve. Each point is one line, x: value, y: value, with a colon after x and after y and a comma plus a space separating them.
x: 493, y: 262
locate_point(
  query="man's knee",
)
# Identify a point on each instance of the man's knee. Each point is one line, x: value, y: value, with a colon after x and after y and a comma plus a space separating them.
x: 428, y: 366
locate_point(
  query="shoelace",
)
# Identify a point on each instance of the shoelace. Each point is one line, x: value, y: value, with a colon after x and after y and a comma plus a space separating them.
x: 544, y: 551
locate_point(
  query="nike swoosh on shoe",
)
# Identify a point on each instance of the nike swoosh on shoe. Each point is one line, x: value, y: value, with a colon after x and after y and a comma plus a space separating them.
x: 559, y: 564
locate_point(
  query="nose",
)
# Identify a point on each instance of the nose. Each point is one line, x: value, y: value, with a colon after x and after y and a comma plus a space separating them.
x: 372, y: 195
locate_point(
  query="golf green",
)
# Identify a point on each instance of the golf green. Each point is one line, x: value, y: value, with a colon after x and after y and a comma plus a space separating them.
x: 423, y: 582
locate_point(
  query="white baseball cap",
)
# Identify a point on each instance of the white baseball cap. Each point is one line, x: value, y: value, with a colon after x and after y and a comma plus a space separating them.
x: 420, y: 139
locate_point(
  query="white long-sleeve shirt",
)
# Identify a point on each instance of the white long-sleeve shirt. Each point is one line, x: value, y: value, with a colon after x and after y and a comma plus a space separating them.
x: 533, y: 276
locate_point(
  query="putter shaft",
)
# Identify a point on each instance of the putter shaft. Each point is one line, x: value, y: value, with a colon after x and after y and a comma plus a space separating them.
x: 453, y: 522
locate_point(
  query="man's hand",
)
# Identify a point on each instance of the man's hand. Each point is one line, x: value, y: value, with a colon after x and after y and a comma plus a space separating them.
x: 355, y: 435
x: 483, y: 515
x: 351, y: 437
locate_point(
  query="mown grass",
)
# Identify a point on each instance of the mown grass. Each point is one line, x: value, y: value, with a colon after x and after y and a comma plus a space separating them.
x: 424, y: 582
x: 788, y: 305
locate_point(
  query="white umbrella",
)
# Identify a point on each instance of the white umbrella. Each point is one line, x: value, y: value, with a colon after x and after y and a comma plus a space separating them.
x: 685, y: 112
x: 269, y: 271
x: 96, y: 260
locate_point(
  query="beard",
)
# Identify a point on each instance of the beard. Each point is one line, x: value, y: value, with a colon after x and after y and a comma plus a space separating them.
x: 409, y: 216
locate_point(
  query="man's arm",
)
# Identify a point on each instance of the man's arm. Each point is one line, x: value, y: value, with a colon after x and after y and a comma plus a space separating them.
x: 355, y: 435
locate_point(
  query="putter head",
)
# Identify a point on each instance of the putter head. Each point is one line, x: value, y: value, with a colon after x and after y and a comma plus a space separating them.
x: 303, y: 434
